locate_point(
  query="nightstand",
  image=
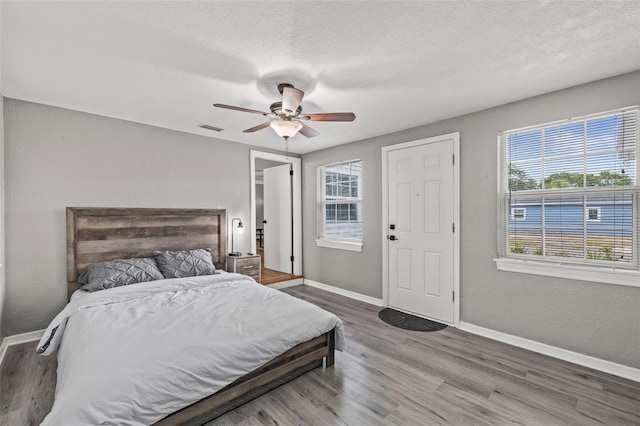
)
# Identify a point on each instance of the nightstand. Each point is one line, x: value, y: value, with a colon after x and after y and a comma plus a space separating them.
x: 245, y: 265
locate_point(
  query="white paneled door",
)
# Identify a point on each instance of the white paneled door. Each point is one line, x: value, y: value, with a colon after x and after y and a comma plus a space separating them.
x: 421, y: 230
x: 278, y: 245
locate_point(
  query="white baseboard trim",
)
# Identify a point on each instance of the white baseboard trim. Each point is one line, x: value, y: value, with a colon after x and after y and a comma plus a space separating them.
x: 619, y: 370
x: 17, y: 339
x: 347, y: 293
x: 285, y: 284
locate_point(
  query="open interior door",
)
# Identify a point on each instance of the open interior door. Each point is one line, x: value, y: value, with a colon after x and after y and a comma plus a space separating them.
x: 278, y: 233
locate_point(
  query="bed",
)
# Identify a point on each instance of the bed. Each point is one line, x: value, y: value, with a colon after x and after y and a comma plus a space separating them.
x: 81, y: 331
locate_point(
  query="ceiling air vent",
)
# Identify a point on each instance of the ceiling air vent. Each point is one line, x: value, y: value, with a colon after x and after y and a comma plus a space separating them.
x: 209, y: 127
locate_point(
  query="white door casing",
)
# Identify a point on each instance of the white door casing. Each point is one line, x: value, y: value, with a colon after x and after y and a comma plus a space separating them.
x: 277, y: 214
x: 421, y: 200
x: 296, y: 164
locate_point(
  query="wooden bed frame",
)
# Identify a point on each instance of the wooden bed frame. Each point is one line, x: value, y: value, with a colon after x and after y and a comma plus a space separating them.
x: 101, y: 234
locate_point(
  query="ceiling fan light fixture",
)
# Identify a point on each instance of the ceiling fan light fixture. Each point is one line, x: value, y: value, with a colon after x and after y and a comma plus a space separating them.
x: 285, y: 128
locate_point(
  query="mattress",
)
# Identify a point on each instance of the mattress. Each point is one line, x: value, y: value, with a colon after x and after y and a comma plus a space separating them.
x: 133, y: 355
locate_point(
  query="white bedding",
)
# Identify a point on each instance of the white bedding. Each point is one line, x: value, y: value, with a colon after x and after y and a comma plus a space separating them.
x: 132, y: 355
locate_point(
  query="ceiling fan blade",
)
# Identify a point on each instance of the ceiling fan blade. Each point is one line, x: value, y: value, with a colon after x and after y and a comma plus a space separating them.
x: 328, y: 116
x: 235, y: 108
x: 256, y: 128
x: 308, y: 131
x: 291, y: 98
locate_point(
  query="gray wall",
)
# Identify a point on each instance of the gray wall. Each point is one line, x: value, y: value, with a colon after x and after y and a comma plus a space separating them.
x: 57, y: 158
x: 595, y: 319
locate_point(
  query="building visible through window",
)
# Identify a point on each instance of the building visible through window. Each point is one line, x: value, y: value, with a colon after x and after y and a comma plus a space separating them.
x: 569, y: 191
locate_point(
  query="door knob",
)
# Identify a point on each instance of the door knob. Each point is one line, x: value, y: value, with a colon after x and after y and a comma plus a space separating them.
x: 392, y: 238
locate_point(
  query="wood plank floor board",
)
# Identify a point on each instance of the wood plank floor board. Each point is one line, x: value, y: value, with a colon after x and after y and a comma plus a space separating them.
x: 389, y: 372
x: 622, y: 390
x: 365, y: 394
x: 511, y: 355
x: 623, y: 403
x: 432, y: 361
x: 457, y: 344
x: 420, y: 390
x: 530, y: 413
x: 27, y: 384
x: 389, y: 376
x: 605, y: 414
x: 484, y: 408
x: 474, y: 408
x: 411, y: 415
x: 382, y: 398
x: 546, y: 399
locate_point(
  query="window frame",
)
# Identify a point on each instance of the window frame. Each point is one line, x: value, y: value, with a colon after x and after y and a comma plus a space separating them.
x: 587, y: 214
x: 522, y: 216
x: 350, y: 244
x: 569, y: 268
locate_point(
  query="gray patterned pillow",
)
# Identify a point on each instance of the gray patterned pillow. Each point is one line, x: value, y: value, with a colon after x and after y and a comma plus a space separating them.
x: 119, y: 272
x: 185, y: 263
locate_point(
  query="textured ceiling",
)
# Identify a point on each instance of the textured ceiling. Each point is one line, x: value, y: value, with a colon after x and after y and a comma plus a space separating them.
x: 396, y: 64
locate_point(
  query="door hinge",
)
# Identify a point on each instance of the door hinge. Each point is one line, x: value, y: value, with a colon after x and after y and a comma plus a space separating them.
x: 292, y: 258
x: 290, y: 172
x: 453, y: 227
x: 453, y: 296
x: 453, y: 159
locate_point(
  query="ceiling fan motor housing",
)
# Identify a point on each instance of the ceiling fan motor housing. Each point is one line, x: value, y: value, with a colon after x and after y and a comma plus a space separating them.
x: 281, y: 87
x: 276, y: 108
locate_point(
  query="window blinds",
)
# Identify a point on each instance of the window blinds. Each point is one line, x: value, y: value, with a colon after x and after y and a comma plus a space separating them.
x: 341, y: 203
x: 569, y: 191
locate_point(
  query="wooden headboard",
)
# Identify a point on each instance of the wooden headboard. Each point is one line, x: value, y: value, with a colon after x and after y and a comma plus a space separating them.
x: 101, y: 234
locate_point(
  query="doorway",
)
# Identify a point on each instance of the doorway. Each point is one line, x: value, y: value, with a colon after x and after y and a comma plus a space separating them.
x: 276, y: 215
x: 421, y: 216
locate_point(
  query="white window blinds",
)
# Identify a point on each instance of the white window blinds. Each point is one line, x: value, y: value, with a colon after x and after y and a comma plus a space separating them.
x: 340, y: 201
x: 577, y: 181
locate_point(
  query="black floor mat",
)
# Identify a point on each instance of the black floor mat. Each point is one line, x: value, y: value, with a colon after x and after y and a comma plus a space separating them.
x: 408, y: 321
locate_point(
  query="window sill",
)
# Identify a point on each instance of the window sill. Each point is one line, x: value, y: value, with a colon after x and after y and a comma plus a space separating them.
x: 573, y: 272
x: 339, y: 244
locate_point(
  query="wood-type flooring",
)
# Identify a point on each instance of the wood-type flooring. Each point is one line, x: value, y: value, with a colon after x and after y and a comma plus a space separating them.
x: 389, y: 376
x: 270, y: 276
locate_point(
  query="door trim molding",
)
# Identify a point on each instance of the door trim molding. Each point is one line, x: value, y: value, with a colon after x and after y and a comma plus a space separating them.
x: 297, y: 202
x: 456, y: 214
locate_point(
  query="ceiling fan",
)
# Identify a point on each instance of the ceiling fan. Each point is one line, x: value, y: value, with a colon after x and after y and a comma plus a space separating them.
x: 287, y: 114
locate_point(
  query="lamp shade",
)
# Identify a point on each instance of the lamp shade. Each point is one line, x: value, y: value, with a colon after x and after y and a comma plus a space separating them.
x: 285, y: 128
